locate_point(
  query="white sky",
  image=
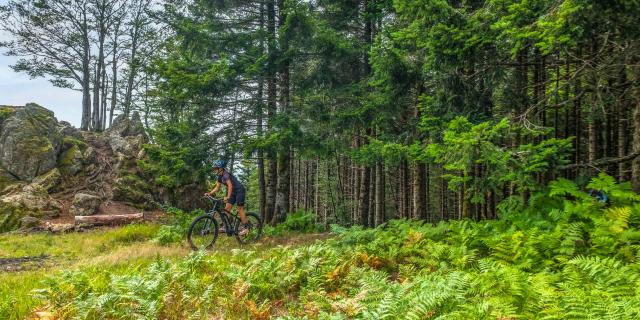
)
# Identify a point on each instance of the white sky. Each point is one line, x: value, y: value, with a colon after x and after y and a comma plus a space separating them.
x: 18, y: 89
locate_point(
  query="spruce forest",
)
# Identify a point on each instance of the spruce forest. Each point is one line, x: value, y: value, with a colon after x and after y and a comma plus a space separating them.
x: 409, y: 159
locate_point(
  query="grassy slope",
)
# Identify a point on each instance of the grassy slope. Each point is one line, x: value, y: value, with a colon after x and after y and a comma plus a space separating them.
x: 102, y: 252
x: 63, y: 252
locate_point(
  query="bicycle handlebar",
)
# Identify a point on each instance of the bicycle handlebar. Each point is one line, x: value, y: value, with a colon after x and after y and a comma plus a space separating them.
x: 211, y: 198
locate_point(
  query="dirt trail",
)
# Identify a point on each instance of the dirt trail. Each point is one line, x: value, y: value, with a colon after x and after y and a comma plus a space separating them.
x: 143, y: 248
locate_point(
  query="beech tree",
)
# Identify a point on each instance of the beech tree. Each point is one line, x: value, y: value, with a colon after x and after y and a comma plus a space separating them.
x: 53, y: 39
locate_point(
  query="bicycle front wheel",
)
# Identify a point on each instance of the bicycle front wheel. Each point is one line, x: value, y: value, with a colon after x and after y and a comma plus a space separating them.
x: 203, y: 232
x: 253, y: 232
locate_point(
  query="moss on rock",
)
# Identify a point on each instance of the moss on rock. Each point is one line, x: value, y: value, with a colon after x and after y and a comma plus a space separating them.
x: 5, y: 180
x: 132, y: 189
x: 9, y: 219
x: 70, y: 161
x: 30, y: 141
x: 5, y: 113
x: 68, y: 142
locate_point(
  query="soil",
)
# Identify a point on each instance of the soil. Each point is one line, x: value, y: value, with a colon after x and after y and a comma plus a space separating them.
x: 22, y: 263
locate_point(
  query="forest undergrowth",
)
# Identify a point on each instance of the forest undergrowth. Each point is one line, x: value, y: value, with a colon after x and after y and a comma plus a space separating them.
x: 565, y: 255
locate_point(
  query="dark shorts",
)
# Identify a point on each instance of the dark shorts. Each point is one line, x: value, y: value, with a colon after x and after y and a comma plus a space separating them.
x: 237, y: 197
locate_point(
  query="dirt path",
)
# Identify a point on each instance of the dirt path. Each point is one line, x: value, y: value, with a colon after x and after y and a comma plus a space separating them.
x: 22, y: 263
x: 114, y: 245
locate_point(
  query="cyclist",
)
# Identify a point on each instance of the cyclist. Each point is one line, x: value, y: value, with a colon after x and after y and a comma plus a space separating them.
x: 235, y: 192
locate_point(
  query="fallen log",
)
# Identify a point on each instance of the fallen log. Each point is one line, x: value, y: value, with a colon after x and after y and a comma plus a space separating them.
x: 109, y: 219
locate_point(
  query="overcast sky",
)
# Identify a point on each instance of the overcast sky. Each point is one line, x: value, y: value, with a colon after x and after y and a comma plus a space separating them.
x: 18, y: 89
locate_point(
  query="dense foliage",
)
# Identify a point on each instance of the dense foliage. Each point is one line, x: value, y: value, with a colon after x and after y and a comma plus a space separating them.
x: 567, y: 256
x: 364, y: 111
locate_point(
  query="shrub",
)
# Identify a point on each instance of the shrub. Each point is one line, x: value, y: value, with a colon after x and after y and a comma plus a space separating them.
x: 299, y: 221
x: 176, y: 230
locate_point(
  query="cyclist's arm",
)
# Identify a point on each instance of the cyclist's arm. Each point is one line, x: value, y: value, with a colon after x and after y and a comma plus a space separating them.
x: 216, y: 188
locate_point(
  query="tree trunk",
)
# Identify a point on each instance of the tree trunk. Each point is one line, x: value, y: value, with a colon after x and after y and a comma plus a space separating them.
x: 103, y: 107
x: 364, y: 196
x: 114, y: 78
x: 96, y: 122
x: 282, y: 196
x: 272, y: 180
x: 380, y: 193
x: 86, y: 77
x: 97, y: 220
x: 419, y: 191
x: 133, y: 59
x: 635, y: 170
x: 623, y: 123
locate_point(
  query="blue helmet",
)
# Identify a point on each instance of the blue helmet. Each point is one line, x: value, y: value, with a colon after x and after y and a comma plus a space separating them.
x: 219, y: 164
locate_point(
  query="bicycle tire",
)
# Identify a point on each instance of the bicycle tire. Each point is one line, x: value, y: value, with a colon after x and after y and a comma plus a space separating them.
x: 192, y: 227
x: 253, y: 219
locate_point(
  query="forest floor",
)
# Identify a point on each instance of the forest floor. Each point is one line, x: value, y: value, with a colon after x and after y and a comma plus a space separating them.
x: 27, y: 259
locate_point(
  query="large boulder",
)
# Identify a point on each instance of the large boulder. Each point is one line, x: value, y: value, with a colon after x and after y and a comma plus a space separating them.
x: 30, y: 140
x: 31, y: 200
x: 126, y: 135
x: 85, y: 204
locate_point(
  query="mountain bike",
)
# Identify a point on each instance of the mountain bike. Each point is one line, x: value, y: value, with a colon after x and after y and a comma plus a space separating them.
x: 203, y: 231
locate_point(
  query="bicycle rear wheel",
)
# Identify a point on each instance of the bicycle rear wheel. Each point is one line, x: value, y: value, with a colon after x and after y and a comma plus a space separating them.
x: 203, y: 232
x: 254, y: 231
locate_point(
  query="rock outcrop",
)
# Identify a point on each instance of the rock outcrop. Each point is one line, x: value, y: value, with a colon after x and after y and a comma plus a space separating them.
x: 47, y: 166
x: 30, y: 140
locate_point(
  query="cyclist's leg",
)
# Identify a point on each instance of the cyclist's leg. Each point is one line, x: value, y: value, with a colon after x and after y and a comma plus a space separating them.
x: 228, y: 207
x: 239, y: 199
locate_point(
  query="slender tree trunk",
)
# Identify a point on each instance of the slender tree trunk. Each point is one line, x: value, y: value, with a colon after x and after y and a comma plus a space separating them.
x: 282, y: 196
x: 372, y: 195
x: 86, y: 76
x: 357, y: 184
x: 419, y: 191
x: 623, y: 123
x: 259, y: 128
x: 134, y: 62
x: 96, y: 122
x: 635, y: 170
x: 428, y: 210
x: 364, y: 196
x: 103, y: 107
x: 380, y: 194
x: 577, y: 108
x: 114, y: 78
x: 272, y: 179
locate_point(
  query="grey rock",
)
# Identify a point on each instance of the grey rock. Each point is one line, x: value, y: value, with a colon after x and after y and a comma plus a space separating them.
x: 48, y: 181
x: 29, y: 222
x: 29, y: 141
x: 89, y: 155
x: 127, y: 135
x: 71, y: 161
x: 126, y: 127
x: 31, y: 200
x: 85, y: 204
x: 66, y: 129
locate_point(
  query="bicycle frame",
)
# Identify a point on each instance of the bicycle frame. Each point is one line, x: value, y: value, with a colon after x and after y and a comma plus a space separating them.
x: 226, y: 217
